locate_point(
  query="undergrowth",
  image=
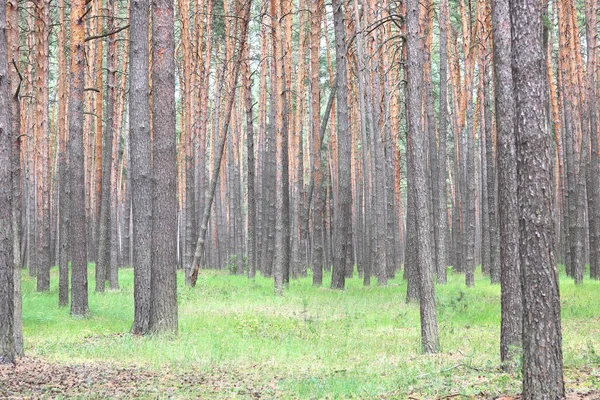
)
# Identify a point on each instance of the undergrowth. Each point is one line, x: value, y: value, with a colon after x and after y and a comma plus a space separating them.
x: 312, y: 342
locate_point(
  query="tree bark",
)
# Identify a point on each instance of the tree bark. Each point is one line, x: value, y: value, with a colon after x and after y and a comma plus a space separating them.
x: 141, y: 172
x: 512, y: 311
x: 163, y: 276
x: 79, y: 281
x: 343, y: 215
x: 542, y: 365
x: 429, y: 329
x: 200, y: 244
x: 316, y: 174
x: 7, y: 339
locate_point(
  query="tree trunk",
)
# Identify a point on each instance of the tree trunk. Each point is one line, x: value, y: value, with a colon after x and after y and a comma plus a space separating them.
x: 594, y: 168
x: 79, y: 281
x: 442, y: 138
x: 163, y: 276
x: 17, y: 198
x: 317, y: 173
x: 41, y: 83
x: 429, y: 329
x: 7, y: 339
x: 343, y: 215
x: 542, y: 365
x: 199, y: 251
x: 510, y: 335
x: 141, y: 172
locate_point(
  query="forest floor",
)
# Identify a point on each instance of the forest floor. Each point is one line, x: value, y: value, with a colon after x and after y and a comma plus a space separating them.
x: 237, y: 340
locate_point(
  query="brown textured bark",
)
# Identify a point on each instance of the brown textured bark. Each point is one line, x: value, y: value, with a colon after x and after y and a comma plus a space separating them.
x: 281, y: 110
x: 251, y: 169
x: 200, y: 244
x: 429, y: 329
x: 79, y: 282
x: 12, y: 17
x: 103, y: 260
x: 141, y: 172
x: 316, y: 173
x: 442, y: 140
x: 490, y: 159
x: 594, y: 168
x: 343, y: 215
x: 542, y: 364
x: 42, y: 29
x: 7, y: 340
x: 63, y: 174
x: 163, y: 278
x: 510, y: 332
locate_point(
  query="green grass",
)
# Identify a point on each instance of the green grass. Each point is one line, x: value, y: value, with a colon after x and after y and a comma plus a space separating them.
x: 312, y: 342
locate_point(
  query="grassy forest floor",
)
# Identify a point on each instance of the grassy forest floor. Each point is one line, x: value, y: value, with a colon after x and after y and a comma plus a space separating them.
x: 237, y: 340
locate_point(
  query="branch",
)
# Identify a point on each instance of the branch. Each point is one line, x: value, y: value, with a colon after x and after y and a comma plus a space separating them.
x: 87, y: 39
x: 20, y: 79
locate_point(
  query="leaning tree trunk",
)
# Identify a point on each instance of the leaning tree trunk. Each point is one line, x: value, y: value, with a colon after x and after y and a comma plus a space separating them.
x: 210, y: 194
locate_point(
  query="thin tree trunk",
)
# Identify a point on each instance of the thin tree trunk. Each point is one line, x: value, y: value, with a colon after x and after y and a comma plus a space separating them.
x: 79, y: 281
x: 343, y: 215
x: 199, y: 252
x: 442, y: 138
x: 141, y: 172
x: 316, y: 174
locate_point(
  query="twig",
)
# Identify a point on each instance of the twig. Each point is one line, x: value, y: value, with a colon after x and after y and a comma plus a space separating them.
x: 87, y: 39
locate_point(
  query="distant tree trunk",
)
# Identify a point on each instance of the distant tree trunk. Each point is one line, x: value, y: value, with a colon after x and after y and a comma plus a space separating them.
x: 63, y: 167
x: 251, y: 168
x: 470, y: 187
x: 282, y: 230
x: 79, y: 281
x: 490, y: 161
x: 591, y: 7
x: 343, y: 215
x: 141, y: 172
x: 317, y: 173
x: 542, y: 365
x: 7, y: 339
x: 104, y: 231
x: 442, y: 138
x: 365, y: 162
x: 512, y: 311
x: 199, y: 251
x: 42, y: 26
x: 429, y: 329
x: 163, y: 276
